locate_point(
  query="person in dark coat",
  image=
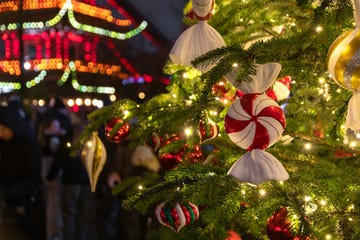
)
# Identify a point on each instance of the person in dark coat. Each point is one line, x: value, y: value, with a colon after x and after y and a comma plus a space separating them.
x: 77, y: 205
x: 20, y: 174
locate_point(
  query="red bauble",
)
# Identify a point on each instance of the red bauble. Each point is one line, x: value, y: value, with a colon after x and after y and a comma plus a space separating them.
x: 120, y: 134
x: 195, y: 155
x: 170, y: 160
x: 278, y: 226
x: 233, y: 236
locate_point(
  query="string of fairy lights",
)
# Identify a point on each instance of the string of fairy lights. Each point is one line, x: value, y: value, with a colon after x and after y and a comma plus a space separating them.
x: 52, y: 45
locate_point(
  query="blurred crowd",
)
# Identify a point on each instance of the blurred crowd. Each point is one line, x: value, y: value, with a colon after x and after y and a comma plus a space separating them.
x: 45, y: 191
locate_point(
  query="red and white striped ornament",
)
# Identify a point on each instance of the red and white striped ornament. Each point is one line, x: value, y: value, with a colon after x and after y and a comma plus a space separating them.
x: 178, y: 216
x: 255, y: 121
x: 202, y: 9
x: 281, y: 89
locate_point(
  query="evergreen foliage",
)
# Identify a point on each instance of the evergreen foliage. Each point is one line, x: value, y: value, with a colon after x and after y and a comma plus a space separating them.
x: 322, y: 194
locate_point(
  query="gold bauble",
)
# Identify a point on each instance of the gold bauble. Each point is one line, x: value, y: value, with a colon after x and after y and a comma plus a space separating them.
x: 343, y: 60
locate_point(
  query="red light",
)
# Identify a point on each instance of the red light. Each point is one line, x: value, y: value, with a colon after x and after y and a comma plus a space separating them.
x: 75, y: 108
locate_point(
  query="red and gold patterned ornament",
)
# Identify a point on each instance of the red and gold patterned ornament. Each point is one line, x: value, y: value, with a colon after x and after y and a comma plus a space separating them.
x: 93, y: 157
x: 255, y: 122
x: 117, y: 130
x: 178, y: 216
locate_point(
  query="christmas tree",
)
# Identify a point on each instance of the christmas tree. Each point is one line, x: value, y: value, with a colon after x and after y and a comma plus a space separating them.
x: 243, y: 157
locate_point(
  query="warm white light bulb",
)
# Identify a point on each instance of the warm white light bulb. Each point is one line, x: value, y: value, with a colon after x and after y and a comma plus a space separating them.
x: 307, y: 198
x: 307, y: 146
x: 323, y: 202
x: 262, y: 192
x: 188, y: 132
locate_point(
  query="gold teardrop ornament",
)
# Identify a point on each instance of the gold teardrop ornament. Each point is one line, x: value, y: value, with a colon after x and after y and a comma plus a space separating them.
x: 93, y: 156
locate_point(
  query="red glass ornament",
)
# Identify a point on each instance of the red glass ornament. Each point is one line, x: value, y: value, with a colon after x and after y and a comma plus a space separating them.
x: 195, y: 155
x: 278, y: 226
x: 120, y: 134
x: 170, y: 160
x: 233, y: 235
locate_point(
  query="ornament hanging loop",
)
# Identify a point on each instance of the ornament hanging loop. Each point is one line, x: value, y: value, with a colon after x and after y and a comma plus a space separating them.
x: 356, y: 4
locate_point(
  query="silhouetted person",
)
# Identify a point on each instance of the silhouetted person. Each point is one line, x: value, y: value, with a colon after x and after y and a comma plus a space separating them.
x: 20, y: 174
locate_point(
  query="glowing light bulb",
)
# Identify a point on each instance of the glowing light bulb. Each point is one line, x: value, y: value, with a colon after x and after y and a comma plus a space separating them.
x: 323, y: 202
x: 319, y: 29
x: 327, y: 236
x: 188, y: 132
x: 70, y: 102
x: 89, y: 144
x: 307, y: 146
x: 307, y: 198
x: 262, y: 192
x: 140, y: 187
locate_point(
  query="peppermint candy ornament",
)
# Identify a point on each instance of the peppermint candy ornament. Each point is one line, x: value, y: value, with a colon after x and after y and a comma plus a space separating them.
x: 255, y: 122
x: 178, y: 216
x: 197, y: 39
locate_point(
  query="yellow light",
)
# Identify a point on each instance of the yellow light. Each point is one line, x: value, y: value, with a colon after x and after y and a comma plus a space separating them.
x: 112, y: 98
x: 41, y: 102
x: 307, y: 146
x: 323, y: 202
x: 318, y: 29
x: 70, y: 102
x: 307, y: 198
x: 126, y: 113
x: 188, y: 132
x: 87, y: 102
x: 89, y: 144
x: 352, y: 144
x: 140, y: 187
x: 262, y: 192
x: 141, y: 95
x: 351, y: 207
x: 79, y: 101
x: 327, y: 236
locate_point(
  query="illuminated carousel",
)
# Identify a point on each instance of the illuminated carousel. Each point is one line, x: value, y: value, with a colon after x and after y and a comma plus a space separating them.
x: 68, y: 48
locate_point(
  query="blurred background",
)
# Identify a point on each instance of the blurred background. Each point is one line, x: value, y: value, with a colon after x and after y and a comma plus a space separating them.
x: 89, y: 49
